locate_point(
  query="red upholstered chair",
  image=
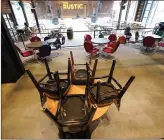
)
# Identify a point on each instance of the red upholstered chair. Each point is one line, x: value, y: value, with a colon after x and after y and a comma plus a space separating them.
x: 161, y: 44
x: 90, y: 49
x: 122, y: 39
x: 149, y: 43
x: 87, y: 37
x: 112, y: 38
x: 111, y: 49
x: 35, y: 39
x: 24, y: 53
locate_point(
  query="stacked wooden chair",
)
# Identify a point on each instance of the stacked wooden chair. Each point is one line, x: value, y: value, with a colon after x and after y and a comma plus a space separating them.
x: 108, y: 92
x: 75, y: 112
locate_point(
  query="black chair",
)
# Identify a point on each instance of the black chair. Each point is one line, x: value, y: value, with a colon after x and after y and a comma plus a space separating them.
x: 79, y: 75
x: 105, y: 93
x: 44, y: 51
x: 53, y: 88
x: 75, y: 113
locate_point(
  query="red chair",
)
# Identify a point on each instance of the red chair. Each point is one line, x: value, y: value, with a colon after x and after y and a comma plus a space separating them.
x: 149, y: 43
x: 161, y: 44
x: 24, y: 53
x: 90, y: 49
x: 111, y: 49
x: 112, y: 37
x: 35, y: 39
x: 87, y: 37
x: 122, y: 39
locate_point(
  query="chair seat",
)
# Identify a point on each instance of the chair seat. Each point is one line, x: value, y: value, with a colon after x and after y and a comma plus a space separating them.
x: 108, y: 50
x: 81, y: 74
x: 161, y: 44
x: 26, y: 53
x: 52, y: 87
x: 69, y: 114
x: 107, y: 94
x: 95, y: 50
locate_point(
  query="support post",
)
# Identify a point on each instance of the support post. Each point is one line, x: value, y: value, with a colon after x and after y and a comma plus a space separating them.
x: 127, y: 11
x: 24, y: 13
x: 119, y: 19
x: 35, y: 15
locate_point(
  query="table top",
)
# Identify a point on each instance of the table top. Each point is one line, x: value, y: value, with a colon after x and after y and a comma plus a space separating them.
x: 100, y: 40
x: 36, y: 44
x: 52, y: 40
x: 52, y: 105
x: 153, y: 35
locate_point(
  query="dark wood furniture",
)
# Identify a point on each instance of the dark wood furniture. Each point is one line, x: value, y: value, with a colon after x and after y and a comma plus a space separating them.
x: 79, y: 75
x: 105, y: 93
x: 52, y: 86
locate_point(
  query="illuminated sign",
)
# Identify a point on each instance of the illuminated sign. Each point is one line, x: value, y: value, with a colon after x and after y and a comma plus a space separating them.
x: 66, y: 5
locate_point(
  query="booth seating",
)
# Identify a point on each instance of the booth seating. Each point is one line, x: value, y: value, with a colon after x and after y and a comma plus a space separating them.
x: 79, y: 75
x: 105, y: 93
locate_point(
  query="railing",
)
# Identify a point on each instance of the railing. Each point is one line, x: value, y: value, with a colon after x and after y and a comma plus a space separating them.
x: 94, y: 33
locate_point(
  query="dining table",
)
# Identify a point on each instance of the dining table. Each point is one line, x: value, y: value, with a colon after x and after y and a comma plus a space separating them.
x: 52, y: 104
x: 36, y: 45
x: 101, y: 44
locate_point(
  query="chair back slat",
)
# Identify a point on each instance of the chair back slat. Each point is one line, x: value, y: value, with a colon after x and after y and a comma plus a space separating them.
x: 98, y: 92
x: 71, y: 68
x: 126, y: 86
x: 72, y: 59
x: 94, y: 68
x: 111, y: 71
x: 92, y: 113
x: 48, y: 69
x: 35, y: 83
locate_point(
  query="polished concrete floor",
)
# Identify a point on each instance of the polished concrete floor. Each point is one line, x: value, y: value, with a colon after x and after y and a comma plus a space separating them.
x: 142, y: 109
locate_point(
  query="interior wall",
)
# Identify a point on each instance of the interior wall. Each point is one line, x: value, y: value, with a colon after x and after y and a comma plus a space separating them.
x: 12, y: 67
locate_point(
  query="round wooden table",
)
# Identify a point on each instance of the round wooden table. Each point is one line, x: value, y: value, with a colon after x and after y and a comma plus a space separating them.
x: 101, y: 42
x: 52, y: 105
x: 35, y: 45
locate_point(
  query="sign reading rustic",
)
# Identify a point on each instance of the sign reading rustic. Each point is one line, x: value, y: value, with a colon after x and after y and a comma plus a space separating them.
x: 66, y: 5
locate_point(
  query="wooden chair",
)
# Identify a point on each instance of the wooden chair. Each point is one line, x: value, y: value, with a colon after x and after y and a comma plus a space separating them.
x: 52, y: 88
x: 74, y: 114
x: 105, y: 93
x: 79, y: 76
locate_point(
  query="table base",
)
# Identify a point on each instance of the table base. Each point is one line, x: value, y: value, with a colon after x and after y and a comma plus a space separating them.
x: 101, y: 55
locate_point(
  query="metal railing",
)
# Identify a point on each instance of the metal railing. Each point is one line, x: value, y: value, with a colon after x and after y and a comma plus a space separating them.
x: 95, y: 33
